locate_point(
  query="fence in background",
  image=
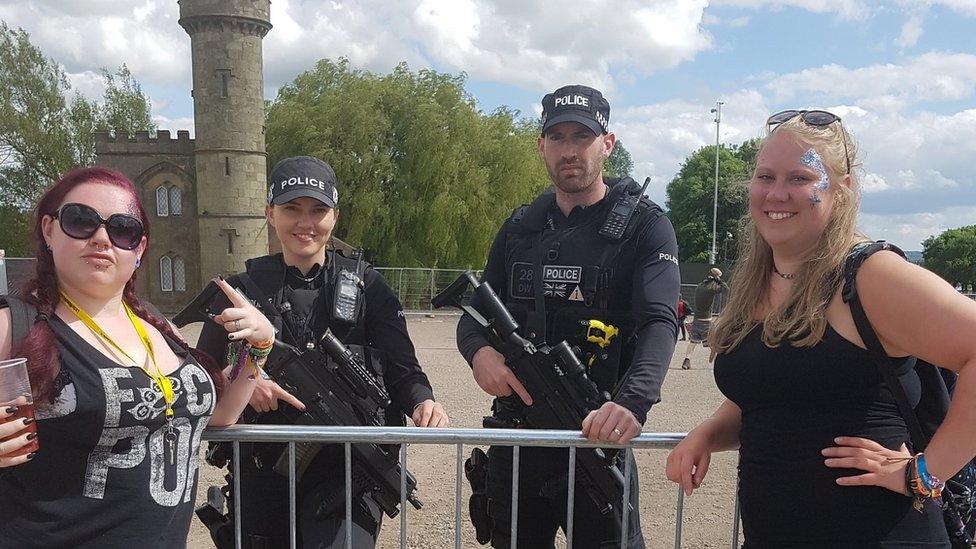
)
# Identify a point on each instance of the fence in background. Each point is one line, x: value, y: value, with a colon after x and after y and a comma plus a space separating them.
x: 415, y: 287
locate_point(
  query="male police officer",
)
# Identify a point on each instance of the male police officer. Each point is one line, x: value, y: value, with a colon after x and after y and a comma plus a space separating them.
x: 559, y: 263
x: 303, y: 282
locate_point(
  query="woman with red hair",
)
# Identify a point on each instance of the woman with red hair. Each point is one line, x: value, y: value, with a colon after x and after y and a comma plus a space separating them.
x: 120, y: 399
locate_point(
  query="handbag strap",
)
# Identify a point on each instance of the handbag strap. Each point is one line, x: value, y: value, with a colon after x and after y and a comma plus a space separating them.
x: 22, y: 318
x: 870, y: 338
x: 887, y: 368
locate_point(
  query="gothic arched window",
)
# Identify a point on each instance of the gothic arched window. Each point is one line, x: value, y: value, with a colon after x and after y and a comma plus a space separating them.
x: 165, y: 274
x: 162, y: 201
x: 175, y: 201
x: 179, y: 274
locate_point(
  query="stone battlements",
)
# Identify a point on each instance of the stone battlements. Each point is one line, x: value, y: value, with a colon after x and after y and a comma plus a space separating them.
x: 142, y: 143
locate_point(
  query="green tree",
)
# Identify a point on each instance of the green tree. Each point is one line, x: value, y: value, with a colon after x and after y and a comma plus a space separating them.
x: 15, y: 231
x: 45, y: 128
x: 952, y: 255
x: 619, y: 163
x: 690, y: 197
x: 125, y: 109
x: 425, y: 179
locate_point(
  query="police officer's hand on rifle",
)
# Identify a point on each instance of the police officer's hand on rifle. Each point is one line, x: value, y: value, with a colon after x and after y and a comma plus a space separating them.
x: 494, y: 377
x: 429, y: 414
x: 267, y: 393
x: 612, y: 423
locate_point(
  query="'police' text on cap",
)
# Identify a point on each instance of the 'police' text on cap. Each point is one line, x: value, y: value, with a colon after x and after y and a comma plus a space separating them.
x: 577, y: 103
x: 300, y: 176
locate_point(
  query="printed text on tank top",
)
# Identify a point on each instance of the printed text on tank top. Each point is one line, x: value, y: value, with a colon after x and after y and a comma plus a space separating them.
x: 162, y: 382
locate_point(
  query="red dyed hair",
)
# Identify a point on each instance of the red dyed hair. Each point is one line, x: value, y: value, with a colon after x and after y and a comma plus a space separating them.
x: 41, y: 290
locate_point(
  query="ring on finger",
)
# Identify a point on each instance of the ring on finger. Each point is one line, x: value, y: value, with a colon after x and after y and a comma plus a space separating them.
x: 237, y: 325
x: 617, y: 431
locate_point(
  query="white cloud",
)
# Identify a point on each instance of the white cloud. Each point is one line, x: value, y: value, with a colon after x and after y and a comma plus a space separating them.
x: 173, y: 124
x: 89, y: 84
x: 91, y: 34
x: 515, y: 43
x: 927, y: 77
x: 911, y: 30
x: 710, y: 20
x: 873, y: 183
x: 660, y: 136
x: 845, y: 9
x: 909, y: 230
x: 963, y: 7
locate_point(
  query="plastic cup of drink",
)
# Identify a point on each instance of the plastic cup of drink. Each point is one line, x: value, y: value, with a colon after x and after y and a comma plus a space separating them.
x: 15, y: 391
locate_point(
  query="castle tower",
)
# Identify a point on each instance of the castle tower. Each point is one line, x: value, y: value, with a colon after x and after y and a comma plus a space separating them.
x: 228, y: 105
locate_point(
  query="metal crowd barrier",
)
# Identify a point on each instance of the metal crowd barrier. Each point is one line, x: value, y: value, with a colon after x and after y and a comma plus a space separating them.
x: 457, y: 437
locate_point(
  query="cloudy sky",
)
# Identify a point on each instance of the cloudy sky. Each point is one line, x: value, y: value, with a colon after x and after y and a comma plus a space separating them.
x: 901, y: 73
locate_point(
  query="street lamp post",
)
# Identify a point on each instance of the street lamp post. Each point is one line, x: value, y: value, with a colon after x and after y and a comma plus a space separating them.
x: 717, y: 111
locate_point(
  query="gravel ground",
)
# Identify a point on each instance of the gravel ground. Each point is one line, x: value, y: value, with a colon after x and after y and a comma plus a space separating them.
x: 689, y: 396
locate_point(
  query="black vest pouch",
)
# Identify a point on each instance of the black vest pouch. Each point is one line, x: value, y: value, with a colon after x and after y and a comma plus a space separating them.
x: 572, y: 324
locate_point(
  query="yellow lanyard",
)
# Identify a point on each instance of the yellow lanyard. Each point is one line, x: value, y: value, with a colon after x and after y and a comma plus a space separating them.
x: 165, y: 385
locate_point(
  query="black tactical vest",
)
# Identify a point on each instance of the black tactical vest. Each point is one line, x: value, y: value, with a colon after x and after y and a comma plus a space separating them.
x: 577, y: 275
x: 269, y: 272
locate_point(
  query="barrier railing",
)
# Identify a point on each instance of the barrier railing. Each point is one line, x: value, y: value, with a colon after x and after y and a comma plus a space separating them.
x: 404, y: 436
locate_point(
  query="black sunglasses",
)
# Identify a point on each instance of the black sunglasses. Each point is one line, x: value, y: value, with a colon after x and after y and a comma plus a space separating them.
x: 81, y: 222
x: 813, y: 118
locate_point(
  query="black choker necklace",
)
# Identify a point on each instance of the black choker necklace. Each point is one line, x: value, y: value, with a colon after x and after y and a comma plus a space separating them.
x: 784, y: 276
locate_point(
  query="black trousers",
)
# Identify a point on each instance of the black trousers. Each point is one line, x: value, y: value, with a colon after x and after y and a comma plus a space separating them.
x: 265, y: 510
x: 543, y: 499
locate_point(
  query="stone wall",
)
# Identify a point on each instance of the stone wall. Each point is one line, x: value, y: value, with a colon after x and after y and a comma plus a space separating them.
x: 150, y: 162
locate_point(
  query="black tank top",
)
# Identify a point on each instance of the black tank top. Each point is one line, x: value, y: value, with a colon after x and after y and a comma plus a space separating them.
x: 794, y: 401
x: 100, y: 478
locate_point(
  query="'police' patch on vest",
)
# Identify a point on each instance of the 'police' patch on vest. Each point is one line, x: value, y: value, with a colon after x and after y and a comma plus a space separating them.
x: 557, y: 280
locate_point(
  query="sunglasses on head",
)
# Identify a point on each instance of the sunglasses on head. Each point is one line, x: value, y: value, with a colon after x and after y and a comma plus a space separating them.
x: 812, y: 118
x: 81, y: 222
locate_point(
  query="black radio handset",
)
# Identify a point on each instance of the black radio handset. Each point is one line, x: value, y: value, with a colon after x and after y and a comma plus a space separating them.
x: 619, y: 216
x: 347, y: 297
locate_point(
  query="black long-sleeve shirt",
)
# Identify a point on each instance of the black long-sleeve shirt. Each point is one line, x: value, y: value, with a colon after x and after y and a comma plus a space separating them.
x: 653, y: 297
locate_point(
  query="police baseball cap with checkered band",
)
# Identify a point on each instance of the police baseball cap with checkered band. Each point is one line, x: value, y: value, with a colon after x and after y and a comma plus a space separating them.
x: 300, y: 176
x: 576, y: 103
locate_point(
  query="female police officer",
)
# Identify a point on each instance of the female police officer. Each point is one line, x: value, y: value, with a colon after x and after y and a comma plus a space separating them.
x: 302, y: 200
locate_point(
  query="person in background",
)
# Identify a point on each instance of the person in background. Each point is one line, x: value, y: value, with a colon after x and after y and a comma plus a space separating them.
x: 705, y: 295
x: 683, y: 311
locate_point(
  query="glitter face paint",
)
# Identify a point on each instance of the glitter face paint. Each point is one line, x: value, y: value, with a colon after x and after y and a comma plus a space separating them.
x: 812, y: 160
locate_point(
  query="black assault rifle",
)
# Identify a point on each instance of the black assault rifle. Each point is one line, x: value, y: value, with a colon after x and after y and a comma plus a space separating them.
x: 337, y: 389
x: 562, y: 394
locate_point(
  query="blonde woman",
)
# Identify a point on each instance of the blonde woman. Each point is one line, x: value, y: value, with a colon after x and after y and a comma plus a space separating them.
x: 823, y: 454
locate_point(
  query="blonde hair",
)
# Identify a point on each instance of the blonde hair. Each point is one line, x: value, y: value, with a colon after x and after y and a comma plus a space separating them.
x: 801, y: 318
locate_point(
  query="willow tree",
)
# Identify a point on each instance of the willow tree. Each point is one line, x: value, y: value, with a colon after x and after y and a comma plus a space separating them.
x: 425, y: 178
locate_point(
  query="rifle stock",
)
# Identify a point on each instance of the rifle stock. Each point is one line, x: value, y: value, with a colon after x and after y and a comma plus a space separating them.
x: 198, y: 310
